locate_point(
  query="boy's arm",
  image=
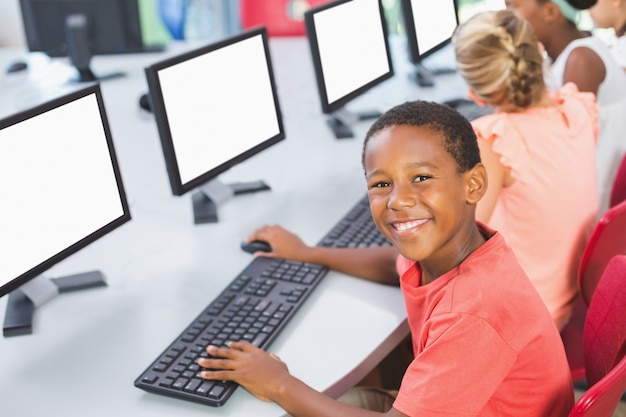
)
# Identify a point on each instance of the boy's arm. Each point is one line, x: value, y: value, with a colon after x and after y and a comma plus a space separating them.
x: 266, y: 377
x: 374, y: 264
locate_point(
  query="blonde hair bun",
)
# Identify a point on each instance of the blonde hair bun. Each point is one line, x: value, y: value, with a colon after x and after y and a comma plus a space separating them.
x: 498, y: 55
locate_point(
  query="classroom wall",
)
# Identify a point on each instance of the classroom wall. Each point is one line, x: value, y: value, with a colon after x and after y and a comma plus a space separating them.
x: 11, y: 32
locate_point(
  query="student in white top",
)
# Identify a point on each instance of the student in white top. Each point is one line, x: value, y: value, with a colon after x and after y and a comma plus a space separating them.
x: 587, y: 62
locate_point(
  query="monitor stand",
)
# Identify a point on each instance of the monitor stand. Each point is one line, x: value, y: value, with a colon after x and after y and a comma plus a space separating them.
x: 341, y: 120
x: 215, y: 192
x: 424, y: 77
x: 79, y: 52
x: 85, y: 75
x: 22, y: 302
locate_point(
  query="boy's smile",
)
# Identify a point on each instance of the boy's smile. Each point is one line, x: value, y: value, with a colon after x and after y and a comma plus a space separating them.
x: 408, y: 226
x: 418, y: 198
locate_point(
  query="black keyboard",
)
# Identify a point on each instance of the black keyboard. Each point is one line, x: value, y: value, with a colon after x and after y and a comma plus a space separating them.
x: 355, y: 230
x: 255, y: 307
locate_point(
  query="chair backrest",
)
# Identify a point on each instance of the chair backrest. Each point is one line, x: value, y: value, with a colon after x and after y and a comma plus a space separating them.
x: 607, y: 240
x: 604, y: 336
x: 618, y: 192
x: 280, y: 17
x: 604, y: 343
x: 601, y: 399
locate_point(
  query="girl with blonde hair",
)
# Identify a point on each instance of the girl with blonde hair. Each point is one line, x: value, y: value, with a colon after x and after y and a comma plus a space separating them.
x: 539, y: 150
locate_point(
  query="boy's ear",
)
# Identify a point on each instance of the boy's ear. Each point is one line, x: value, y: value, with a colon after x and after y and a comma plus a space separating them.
x: 476, y: 183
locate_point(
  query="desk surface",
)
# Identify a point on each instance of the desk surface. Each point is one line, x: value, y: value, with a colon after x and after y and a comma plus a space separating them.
x: 162, y: 270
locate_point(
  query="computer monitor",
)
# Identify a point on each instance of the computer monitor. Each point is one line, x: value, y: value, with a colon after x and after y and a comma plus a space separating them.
x: 61, y: 191
x: 215, y: 106
x: 429, y: 26
x: 350, y: 53
x: 59, y: 27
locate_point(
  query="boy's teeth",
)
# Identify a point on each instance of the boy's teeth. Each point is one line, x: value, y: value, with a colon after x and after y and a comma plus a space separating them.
x: 408, y: 225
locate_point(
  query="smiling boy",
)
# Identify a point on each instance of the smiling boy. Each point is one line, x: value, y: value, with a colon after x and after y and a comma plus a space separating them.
x: 482, y: 336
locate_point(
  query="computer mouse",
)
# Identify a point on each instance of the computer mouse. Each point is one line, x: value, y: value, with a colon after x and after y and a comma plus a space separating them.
x: 256, y: 246
x: 145, y: 102
x: 17, y: 66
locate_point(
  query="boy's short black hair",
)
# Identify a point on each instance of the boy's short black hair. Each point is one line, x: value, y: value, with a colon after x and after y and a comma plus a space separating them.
x: 459, y: 138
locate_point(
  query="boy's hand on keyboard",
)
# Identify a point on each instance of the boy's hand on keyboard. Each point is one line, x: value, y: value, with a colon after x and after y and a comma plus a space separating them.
x: 259, y: 372
x: 284, y: 243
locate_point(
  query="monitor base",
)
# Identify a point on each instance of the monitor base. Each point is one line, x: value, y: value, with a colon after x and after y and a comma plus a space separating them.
x: 340, y: 121
x: 87, y: 76
x: 424, y: 77
x: 368, y: 114
x: 22, y: 303
x: 248, y: 187
x: 339, y: 128
x: 204, y: 209
x: 18, y: 318
x: 206, y: 200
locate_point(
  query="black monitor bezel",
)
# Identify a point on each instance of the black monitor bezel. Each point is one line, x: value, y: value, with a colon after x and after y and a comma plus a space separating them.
x: 105, y: 229
x: 311, y: 34
x: 130, y: 23
x: 415, y: 55
x: 158, y: 108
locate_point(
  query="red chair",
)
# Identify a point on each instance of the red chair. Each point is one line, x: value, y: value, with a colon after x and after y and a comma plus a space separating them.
x: 604, y: 344
x: 572, y: 336
x: 608, y: 239
x: 280, y: 17
x: 602, y: 399
x: 618, y: 192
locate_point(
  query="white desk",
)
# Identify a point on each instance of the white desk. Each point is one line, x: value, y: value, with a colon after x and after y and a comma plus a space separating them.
x: 88, y: 347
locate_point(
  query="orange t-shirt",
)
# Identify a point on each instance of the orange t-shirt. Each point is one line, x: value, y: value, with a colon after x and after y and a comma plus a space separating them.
x: 483, y: 340
x: 548, y: 213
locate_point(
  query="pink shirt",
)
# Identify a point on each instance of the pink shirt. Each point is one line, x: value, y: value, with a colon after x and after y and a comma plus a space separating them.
x: 483, y: 340
x: 547, y: 215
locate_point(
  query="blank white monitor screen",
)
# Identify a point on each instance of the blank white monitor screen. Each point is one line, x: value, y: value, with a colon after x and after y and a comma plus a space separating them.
x: 59, y: 185
x: 434, y: 23
x: 352, y: 46
x: 215, y: 105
